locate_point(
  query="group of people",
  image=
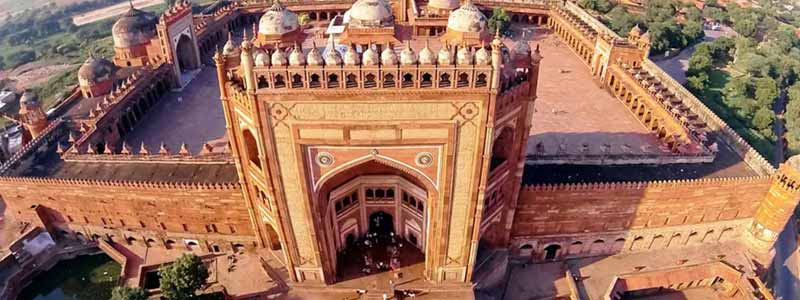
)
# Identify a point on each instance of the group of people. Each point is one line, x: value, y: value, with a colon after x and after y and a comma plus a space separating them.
x: 372, y: 244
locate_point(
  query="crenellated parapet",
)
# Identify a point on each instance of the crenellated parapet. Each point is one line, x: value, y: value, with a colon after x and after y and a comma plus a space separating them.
x: 175, y: 13
x: 122, y: 184
x: 207, y: 154
x: 46, y: 135
x: 661, y: 184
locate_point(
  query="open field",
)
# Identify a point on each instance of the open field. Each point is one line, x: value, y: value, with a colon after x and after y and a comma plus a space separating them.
x: 111, y: 11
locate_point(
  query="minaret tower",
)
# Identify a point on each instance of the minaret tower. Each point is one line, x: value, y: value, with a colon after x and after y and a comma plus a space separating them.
x: 774, y: 210
x: 31, y: 115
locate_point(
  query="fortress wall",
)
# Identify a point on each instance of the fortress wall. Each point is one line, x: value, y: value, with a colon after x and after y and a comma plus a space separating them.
x: 143, y: 211
x: 583, y: 208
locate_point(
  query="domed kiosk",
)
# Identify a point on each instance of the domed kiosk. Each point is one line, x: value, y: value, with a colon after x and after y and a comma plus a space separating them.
x: 467, y: 24
x: 369, y: 21
x: 278, y: 25
x: 132, y: 34
x: 96, y: 77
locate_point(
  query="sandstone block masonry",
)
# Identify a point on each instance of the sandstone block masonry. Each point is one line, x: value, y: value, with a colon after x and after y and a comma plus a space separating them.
x: 152, y: 214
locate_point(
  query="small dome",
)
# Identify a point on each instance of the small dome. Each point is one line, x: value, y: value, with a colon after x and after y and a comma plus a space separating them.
x: 521, y: 48
x: 370, y: 57
x: 369, y: 14
x: 262, y: 59
x: 445, y: 56
x: 483, y: 57
x: 332, y: 57
x: 464, y: 56
x: 444, y: 4
x: 135, y: 27
x: 426, y: 56
x: 278, y: 20
x: 467, y: 18
x: 29, y: 99
x: 407, y: 56
x: 314, y: 58
x: 388, y: 57
x: 297, y: 57
x: 230, y: 48
x: 278, y: 57
x: 95, y: 70
x: 351, y: 56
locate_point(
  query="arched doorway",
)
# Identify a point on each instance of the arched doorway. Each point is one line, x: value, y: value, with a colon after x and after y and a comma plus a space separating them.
x: 551, y: 252
x: 274, y: 241
x: 375, y: 216
x: 186, y: 54
x: 381, y: 223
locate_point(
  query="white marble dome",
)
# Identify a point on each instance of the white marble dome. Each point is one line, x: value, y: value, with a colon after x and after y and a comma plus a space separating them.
x: 445, y: 56
x: 370, y: 57
x: 278, y: 20
x: 388, y: 57
x: 407, y: 56
x: 369, y: 14
x: 297, y: 57
x: 351, y: 57
x: 262, y: 59
x: 483, y: 57
x: 464, y: 56
x: 426, y: 56
x: 467, y: 18
x: 314, y: 58
x: 279, y: 58
x: 444, y: 4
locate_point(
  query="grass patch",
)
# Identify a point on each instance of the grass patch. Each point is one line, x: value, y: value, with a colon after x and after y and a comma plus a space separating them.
x: 89, y: 277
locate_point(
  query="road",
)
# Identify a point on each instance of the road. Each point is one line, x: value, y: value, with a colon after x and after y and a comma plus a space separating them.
x: 676, y: 66
x: 111, y: 11
x: 787, y: 275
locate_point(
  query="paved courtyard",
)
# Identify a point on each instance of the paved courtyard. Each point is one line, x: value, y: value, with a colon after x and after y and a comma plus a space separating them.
x: 193, y: 116
x: 571, y: 110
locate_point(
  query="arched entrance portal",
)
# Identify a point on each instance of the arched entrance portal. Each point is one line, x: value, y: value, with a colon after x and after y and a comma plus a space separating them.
x: 375, y: 218
x: 186, y: 54
x: 381, y: 223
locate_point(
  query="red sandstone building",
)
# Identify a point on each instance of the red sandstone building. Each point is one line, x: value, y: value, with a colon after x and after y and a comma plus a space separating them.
x: 478, y: 152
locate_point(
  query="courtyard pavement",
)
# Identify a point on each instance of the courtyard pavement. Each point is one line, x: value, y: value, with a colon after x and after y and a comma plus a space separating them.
x: 193, y: 116
x: 572, y: 110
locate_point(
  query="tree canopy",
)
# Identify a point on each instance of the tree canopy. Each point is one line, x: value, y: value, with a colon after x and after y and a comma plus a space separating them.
x: 499, y: 19
x: 128, y: 293
x: 181, y: 279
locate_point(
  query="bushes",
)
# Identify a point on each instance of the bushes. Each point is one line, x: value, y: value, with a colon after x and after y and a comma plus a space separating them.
x: 18, y: 58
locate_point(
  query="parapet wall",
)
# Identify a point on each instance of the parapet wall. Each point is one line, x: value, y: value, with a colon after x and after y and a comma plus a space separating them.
x: 148, y: 210
x: 754, y: 159
x: 585, y: 208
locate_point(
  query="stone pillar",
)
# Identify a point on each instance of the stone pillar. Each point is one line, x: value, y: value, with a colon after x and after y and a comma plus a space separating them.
x: 248, y: 64
x: 774, y: 210
x: 497, y: 61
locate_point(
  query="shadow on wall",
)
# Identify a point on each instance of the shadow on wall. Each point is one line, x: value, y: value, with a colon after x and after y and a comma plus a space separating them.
x: 726, y: 163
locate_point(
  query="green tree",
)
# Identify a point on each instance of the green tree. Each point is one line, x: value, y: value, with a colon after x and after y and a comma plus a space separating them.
x: 754, y: 64
x: 693, y: 31
x: 721, y: 49
x: 128, y: 293
x: 762, y: 120
x: 737, y: 87
x: 792, y: 115
x: 715, y: 13
x: 697, y: 83
x: 303, y: 19
x: 499, y: 19
x: 621, y: 21
x: 746, y: 27
x: 766, y: 91
x: 183, y: 277
x: 660, y: 11
x: 663, y: 36
x: 602, y: 6
x: 170, y: 2
x: 701, y: 60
